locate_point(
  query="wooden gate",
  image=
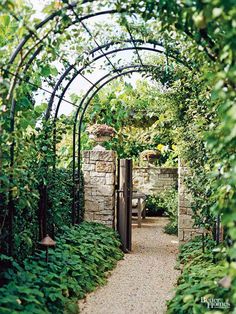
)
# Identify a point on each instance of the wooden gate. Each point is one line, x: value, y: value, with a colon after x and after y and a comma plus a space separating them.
x: 124, y: 203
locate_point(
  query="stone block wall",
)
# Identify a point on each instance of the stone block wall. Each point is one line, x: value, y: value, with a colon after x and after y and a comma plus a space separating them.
x: 99, y: 189
x: 99, y: 186
x: 153, y: 180
x: 186, y: 231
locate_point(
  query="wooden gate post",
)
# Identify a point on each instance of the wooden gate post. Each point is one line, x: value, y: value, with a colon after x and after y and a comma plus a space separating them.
x: 124, y: 203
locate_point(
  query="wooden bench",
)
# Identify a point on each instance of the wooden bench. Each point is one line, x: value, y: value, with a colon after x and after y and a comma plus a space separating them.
x: 138, y: 206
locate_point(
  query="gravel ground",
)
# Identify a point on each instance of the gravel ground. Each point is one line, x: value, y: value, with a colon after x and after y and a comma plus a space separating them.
x: 144, y: 280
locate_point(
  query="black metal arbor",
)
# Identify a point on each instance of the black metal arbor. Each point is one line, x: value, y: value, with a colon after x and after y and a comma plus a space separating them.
x: 33, y: 45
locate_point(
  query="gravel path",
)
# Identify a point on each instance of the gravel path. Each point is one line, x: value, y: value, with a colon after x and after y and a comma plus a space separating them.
x: 144, y: 280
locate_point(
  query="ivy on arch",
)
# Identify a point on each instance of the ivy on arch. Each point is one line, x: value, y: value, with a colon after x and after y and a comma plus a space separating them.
x: 204, y: 35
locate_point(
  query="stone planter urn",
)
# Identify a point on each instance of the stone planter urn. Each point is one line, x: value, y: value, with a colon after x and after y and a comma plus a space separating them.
x: 99, y: 134
x: 150, y: 155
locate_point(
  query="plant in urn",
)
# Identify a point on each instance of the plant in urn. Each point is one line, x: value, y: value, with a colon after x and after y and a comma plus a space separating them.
x: 99, y: 134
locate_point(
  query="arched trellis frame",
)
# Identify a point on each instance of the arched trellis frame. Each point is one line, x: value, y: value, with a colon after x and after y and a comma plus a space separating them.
x: 139, y: 68
x: 172, y: 55
x: 84, y: 104
x: 83, y: 68
x: 35, y: 50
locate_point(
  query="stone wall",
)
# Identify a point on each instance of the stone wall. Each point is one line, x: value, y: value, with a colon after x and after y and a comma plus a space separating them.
x: 99, y: 189
x: 186, y: 231
x: 153, y: 180
x: 99, y: 186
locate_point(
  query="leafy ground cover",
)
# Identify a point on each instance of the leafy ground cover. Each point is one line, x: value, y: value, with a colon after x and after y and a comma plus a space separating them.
x: 199, y: 289
x: 79, y: 263
x: 196, y: 111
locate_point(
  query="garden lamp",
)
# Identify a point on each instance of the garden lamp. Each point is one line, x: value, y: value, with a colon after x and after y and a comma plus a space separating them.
x: 47, y: 242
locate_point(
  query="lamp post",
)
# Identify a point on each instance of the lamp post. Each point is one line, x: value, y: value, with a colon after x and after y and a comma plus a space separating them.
x: 47, y: 242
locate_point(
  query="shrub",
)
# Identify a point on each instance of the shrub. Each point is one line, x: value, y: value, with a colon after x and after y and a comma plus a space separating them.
x: 155, y: 205
x: 198, y: 284
x: 172, y: 227
x: 77, y: 265
x: 170, y: 203
x: 165, y: 203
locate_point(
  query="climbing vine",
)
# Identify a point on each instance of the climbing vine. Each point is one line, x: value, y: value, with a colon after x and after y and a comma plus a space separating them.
x: 197, y: 108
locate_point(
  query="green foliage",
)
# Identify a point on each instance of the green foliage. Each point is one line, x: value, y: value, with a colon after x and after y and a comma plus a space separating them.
x: 165, y: 203
x: 198, y: 106
x: 26, y: 231
x: 78, y: 264
x: 154, y: 205
x: 59, y: 199
x: 138, y: 114
x: 34, y: 168
x: 199, y: 281
x: 204, y: 31
x: 189, y: 251
x: 172, y: 227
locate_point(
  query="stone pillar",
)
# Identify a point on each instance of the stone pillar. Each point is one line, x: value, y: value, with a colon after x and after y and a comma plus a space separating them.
x: 99, y: 186
x: 186, y: 231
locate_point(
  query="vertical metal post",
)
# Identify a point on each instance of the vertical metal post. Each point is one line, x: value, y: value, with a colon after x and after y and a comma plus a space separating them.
x: 73, y: 178
x: 129, y: 202
x: 118, y: 197
x: 78, y: 183
x: 46, y: 254
x: 11, y: 198
x: 124, y: 203
x: 218, y: 230
x: 54, y: 144
x: 203, y: 242
x: 42, y: 211
x: 43, y: 201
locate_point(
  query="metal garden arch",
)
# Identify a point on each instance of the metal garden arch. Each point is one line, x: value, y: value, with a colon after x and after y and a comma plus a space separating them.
x: 110, y: 48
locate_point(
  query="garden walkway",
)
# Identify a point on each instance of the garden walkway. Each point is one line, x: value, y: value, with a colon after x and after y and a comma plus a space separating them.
x: 144, y: 280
